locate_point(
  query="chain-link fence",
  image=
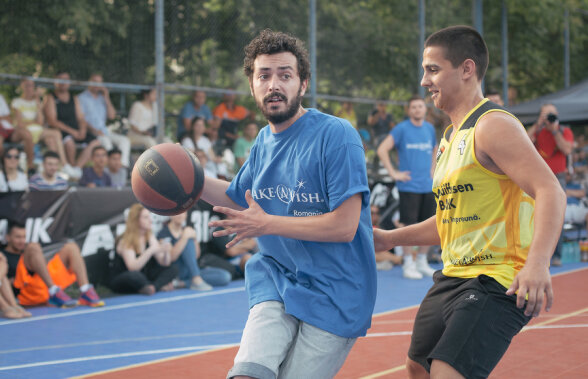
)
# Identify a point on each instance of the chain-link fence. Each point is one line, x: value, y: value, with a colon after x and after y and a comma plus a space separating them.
x: 366, y: 50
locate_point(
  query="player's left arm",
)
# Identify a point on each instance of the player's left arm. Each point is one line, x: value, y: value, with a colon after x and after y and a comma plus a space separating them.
x: 339, y: 225
x: 502, y: 146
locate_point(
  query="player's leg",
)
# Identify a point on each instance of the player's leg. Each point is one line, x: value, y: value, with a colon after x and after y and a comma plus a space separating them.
x: 409, y: 211
x: 316, y: 353
x: 267, y: 338
x: 481, y: 322
x: 72, y: 259
x: 426, y: 209
x: 35, y: 261
x: 428, y: 328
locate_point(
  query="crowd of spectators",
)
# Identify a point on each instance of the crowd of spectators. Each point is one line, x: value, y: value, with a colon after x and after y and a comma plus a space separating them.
x: 55, y: 140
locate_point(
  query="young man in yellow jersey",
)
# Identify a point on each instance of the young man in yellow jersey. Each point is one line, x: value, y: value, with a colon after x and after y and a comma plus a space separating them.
x: 499, y: 213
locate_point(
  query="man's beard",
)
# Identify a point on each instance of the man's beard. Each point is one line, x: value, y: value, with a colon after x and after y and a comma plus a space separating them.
x: 280, y: 117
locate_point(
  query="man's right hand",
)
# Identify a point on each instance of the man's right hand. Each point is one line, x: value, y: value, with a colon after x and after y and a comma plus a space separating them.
x: 401, y: 176
x: 381, y: 240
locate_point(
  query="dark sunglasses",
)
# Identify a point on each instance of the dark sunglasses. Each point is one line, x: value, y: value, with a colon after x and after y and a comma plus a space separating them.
x: 11, y: 156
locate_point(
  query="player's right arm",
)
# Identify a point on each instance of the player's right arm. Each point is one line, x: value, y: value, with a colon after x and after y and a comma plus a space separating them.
x: 214, y: 192
x: 384, y: 155
x: 422, y: 234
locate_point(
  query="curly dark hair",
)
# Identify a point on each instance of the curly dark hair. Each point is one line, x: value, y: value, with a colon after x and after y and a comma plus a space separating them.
x: 270, y: 42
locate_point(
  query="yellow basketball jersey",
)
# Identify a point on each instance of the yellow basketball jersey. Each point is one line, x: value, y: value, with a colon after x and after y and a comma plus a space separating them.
x: 485, y: 221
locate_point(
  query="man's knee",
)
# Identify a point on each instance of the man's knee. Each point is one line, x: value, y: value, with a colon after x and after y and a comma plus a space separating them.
x: 70, y: 249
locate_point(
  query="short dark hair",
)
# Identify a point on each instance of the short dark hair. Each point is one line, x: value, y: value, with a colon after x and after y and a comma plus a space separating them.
x: 14, y: 224
x: 99, y: 147
x: 270, y: 42
x: 50, y: 154
x: 415, y: 98
x: 460, y: 43
x: 113, y: 151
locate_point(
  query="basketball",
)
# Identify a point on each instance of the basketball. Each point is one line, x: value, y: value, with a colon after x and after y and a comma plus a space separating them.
x: 167, y: 179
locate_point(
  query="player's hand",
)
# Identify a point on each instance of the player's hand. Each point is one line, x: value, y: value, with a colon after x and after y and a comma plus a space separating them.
x: 534, y: 281
x: 248, y: 223
x: 402, y: 176
x: 382, y: 240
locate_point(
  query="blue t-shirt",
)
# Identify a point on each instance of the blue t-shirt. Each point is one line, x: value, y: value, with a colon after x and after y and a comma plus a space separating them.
x: 95, y: 110
x: 415, y: 146
x: 188, y: 111
x: 310, y: 169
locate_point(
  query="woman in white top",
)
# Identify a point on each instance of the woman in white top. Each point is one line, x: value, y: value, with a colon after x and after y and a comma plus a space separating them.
x: 142, y: 119
x: 28, y: 114
x: 197, y: 140
x: 11, y: 178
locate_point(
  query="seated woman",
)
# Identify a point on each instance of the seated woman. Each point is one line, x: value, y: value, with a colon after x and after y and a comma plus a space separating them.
x: 142, y: 264
x: 11, y: 178
x: 184, y: 254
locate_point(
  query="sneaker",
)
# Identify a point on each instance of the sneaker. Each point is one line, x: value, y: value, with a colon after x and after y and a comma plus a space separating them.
x: 72, y: 172
x: 203, y: 286
x: 62, y: 300
x: 423, y: 266
x: 90, y: 298
x: 384, y: 266
x: 409, y: 271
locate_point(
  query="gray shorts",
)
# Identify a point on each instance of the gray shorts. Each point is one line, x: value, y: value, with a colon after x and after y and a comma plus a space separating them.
x: 278, y: 345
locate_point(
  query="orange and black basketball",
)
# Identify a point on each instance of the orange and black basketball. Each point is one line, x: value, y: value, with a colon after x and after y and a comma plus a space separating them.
x: 167, y: 179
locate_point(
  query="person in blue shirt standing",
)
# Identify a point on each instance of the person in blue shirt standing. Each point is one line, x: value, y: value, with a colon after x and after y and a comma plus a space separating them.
x: 303, y: 193
x: 415, y: 141
x: 195, y: 108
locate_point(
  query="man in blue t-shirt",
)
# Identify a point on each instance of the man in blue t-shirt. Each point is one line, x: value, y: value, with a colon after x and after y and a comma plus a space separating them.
x: 194, y: 108
x: 415, y: 142
x: 303, y: 193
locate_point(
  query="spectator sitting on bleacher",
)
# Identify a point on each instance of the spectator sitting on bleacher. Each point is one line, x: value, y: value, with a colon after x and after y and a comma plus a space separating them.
x: 28, y: 113
x: 114, y: 168
x: 195, y: 139
x: 209, y: 169
x: 10, y: 133
x: 195, y: 108
x: 243, y: 144
x: 95, y: 175
x: 97, y: 108
x: 184, y: 254
x: 9, y: 308
x: 49, y: 179
x: 227, y: 116
x: 63, y: 112
x: 11, y: 178
x: 37, y: 281
x: 141, y: 264
x: 217, y: 153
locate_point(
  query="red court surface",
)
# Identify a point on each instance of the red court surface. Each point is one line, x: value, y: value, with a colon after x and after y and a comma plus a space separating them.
x: 554, y: 345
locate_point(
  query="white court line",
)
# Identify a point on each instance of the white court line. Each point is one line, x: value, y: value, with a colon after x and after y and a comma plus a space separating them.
x: 107, y: 308
x: 113, y: 356
x: 121, y: 340
x: 407, y: 333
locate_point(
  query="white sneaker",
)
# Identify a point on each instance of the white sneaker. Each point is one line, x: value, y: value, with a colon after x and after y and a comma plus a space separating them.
x: 72, y: 172
x: 423, y: 267
x: 409, y: 271
x: 384, y: 265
